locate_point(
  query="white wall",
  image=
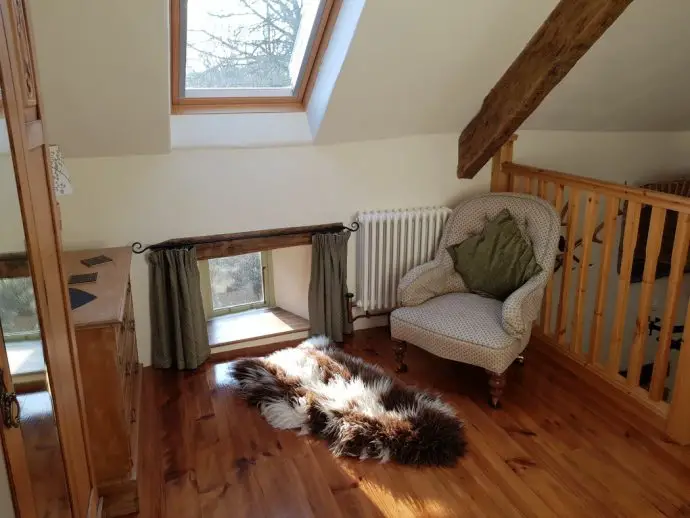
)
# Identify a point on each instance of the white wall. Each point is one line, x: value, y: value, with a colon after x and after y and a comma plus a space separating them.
x: 103, y: 70
x: 620, y: 157
x: 186, y: 193
x: 152, y: 198
x: 291, y: 272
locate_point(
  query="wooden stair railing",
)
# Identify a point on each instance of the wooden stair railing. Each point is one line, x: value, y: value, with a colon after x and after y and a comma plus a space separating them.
x: 587, y: 312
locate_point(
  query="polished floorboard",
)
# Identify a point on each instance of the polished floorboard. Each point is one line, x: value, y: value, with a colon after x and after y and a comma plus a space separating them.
x: 555, y: 449
x: 43, y: 456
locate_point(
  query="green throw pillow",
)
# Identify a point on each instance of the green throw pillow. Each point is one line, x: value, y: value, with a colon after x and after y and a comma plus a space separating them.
x: 497, y: 261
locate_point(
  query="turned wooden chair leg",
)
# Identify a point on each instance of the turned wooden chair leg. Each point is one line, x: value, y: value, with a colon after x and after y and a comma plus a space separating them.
x: 497, y: 383
x: 400, y: 348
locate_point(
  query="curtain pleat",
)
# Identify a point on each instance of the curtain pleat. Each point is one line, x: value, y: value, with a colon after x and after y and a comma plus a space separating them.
x: 328, y: 286
x: 179, y: 337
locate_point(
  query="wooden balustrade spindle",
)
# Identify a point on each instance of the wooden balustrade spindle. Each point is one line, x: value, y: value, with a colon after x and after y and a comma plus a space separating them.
x: 675, y: 280
x: 512, y: 183
x: 637, y: 351
x: 559, y: 196
x: 518, y: 185
x: 632, y: 223
x: 545, y: 320
x: 499, y: 178
x: 678, y: 424
x: 563, y: 303
x: 608, y: 236
x: 591, y: 212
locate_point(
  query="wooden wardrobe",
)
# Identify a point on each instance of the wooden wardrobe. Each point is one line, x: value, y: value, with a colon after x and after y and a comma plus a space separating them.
x: 111, y: 375
x: 23, y: 113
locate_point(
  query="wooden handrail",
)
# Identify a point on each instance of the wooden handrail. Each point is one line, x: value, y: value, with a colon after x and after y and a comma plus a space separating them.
x: 646, y: 219
x: 637, y: 194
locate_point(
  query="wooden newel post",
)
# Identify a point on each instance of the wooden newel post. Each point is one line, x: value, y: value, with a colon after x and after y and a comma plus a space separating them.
x: 678, y: 425
x: 500, y: 181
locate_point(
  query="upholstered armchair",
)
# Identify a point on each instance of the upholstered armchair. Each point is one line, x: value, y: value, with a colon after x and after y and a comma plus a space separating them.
x: 440, y: 315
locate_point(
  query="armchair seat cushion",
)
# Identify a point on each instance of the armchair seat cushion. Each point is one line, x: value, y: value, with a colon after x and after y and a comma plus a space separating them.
x: 463, y: 316
x: 464, y: 327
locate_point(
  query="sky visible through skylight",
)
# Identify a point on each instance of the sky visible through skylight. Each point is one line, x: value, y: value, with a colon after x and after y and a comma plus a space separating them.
x: 247, y: 43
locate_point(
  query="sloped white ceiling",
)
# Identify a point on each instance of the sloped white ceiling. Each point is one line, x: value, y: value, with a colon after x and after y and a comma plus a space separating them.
x: 425, y: 67
x: 103, y: 71
x: 413, y: 67
x: 637, y: 77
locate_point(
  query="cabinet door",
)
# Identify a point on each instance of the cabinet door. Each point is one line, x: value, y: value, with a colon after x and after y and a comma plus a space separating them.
x: 24, y: 117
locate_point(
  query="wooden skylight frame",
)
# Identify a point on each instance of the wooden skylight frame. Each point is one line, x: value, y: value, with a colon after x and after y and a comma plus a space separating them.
x: 182, y: 104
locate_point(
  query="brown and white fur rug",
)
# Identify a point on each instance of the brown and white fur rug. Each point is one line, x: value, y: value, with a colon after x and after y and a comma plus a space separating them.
x: 317, y: 388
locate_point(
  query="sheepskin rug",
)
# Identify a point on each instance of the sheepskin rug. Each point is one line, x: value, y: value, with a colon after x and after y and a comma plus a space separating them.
x: 317, y: 388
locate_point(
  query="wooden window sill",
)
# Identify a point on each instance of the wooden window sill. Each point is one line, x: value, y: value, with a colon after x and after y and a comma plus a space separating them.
x: 220, y: 108
x: 250, y: 325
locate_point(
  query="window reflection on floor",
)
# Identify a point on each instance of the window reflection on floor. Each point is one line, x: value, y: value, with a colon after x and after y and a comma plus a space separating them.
x: 43, y: 455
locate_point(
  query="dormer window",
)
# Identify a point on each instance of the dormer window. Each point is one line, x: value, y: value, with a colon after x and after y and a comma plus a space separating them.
x: 246, y: 54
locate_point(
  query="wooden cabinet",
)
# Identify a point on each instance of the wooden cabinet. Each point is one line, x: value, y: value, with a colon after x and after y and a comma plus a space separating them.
x: 111, y: 375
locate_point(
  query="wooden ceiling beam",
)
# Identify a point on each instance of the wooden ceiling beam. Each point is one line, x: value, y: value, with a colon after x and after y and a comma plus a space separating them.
x: 567, y: 34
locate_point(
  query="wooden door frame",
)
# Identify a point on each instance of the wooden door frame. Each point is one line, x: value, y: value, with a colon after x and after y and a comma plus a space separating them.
x: 23, y: 112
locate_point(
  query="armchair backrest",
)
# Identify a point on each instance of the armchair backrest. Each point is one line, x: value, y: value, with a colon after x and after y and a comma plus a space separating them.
x: 536, y: 217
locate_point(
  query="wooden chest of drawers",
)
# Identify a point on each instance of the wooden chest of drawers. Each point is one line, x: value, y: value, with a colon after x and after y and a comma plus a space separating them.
x: 111, y: 375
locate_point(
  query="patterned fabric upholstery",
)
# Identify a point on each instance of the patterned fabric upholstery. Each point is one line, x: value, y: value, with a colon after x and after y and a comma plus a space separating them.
x: 440, y: 316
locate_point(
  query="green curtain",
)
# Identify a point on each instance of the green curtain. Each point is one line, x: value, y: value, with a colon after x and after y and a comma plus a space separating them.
x: 179, y: 338
x: 328, y: 285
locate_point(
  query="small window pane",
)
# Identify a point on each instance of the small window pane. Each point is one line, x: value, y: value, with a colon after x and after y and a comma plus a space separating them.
x: 236, y: 281
x: 247, y: 47
x: 18, y: 307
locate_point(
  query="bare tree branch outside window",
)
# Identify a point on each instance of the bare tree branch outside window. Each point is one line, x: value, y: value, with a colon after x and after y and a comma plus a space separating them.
x: 18, y: 306
x: 241, y: 43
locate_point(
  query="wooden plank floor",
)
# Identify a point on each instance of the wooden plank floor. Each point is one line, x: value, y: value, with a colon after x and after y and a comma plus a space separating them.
x: 43, y: 455
x: 555, y: 450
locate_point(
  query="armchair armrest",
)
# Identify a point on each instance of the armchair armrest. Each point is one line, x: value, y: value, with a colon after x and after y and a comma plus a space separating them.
x: 522, y: 307
x: 427, y: 281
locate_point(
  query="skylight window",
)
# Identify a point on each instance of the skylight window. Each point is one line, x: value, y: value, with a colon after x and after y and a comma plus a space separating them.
x: 245, y: 52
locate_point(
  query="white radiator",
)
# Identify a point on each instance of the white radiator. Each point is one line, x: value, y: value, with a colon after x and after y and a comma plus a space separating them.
x: 389, y: 244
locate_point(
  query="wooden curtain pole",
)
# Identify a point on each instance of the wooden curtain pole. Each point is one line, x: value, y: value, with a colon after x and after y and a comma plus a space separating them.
x: 221, y: 245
